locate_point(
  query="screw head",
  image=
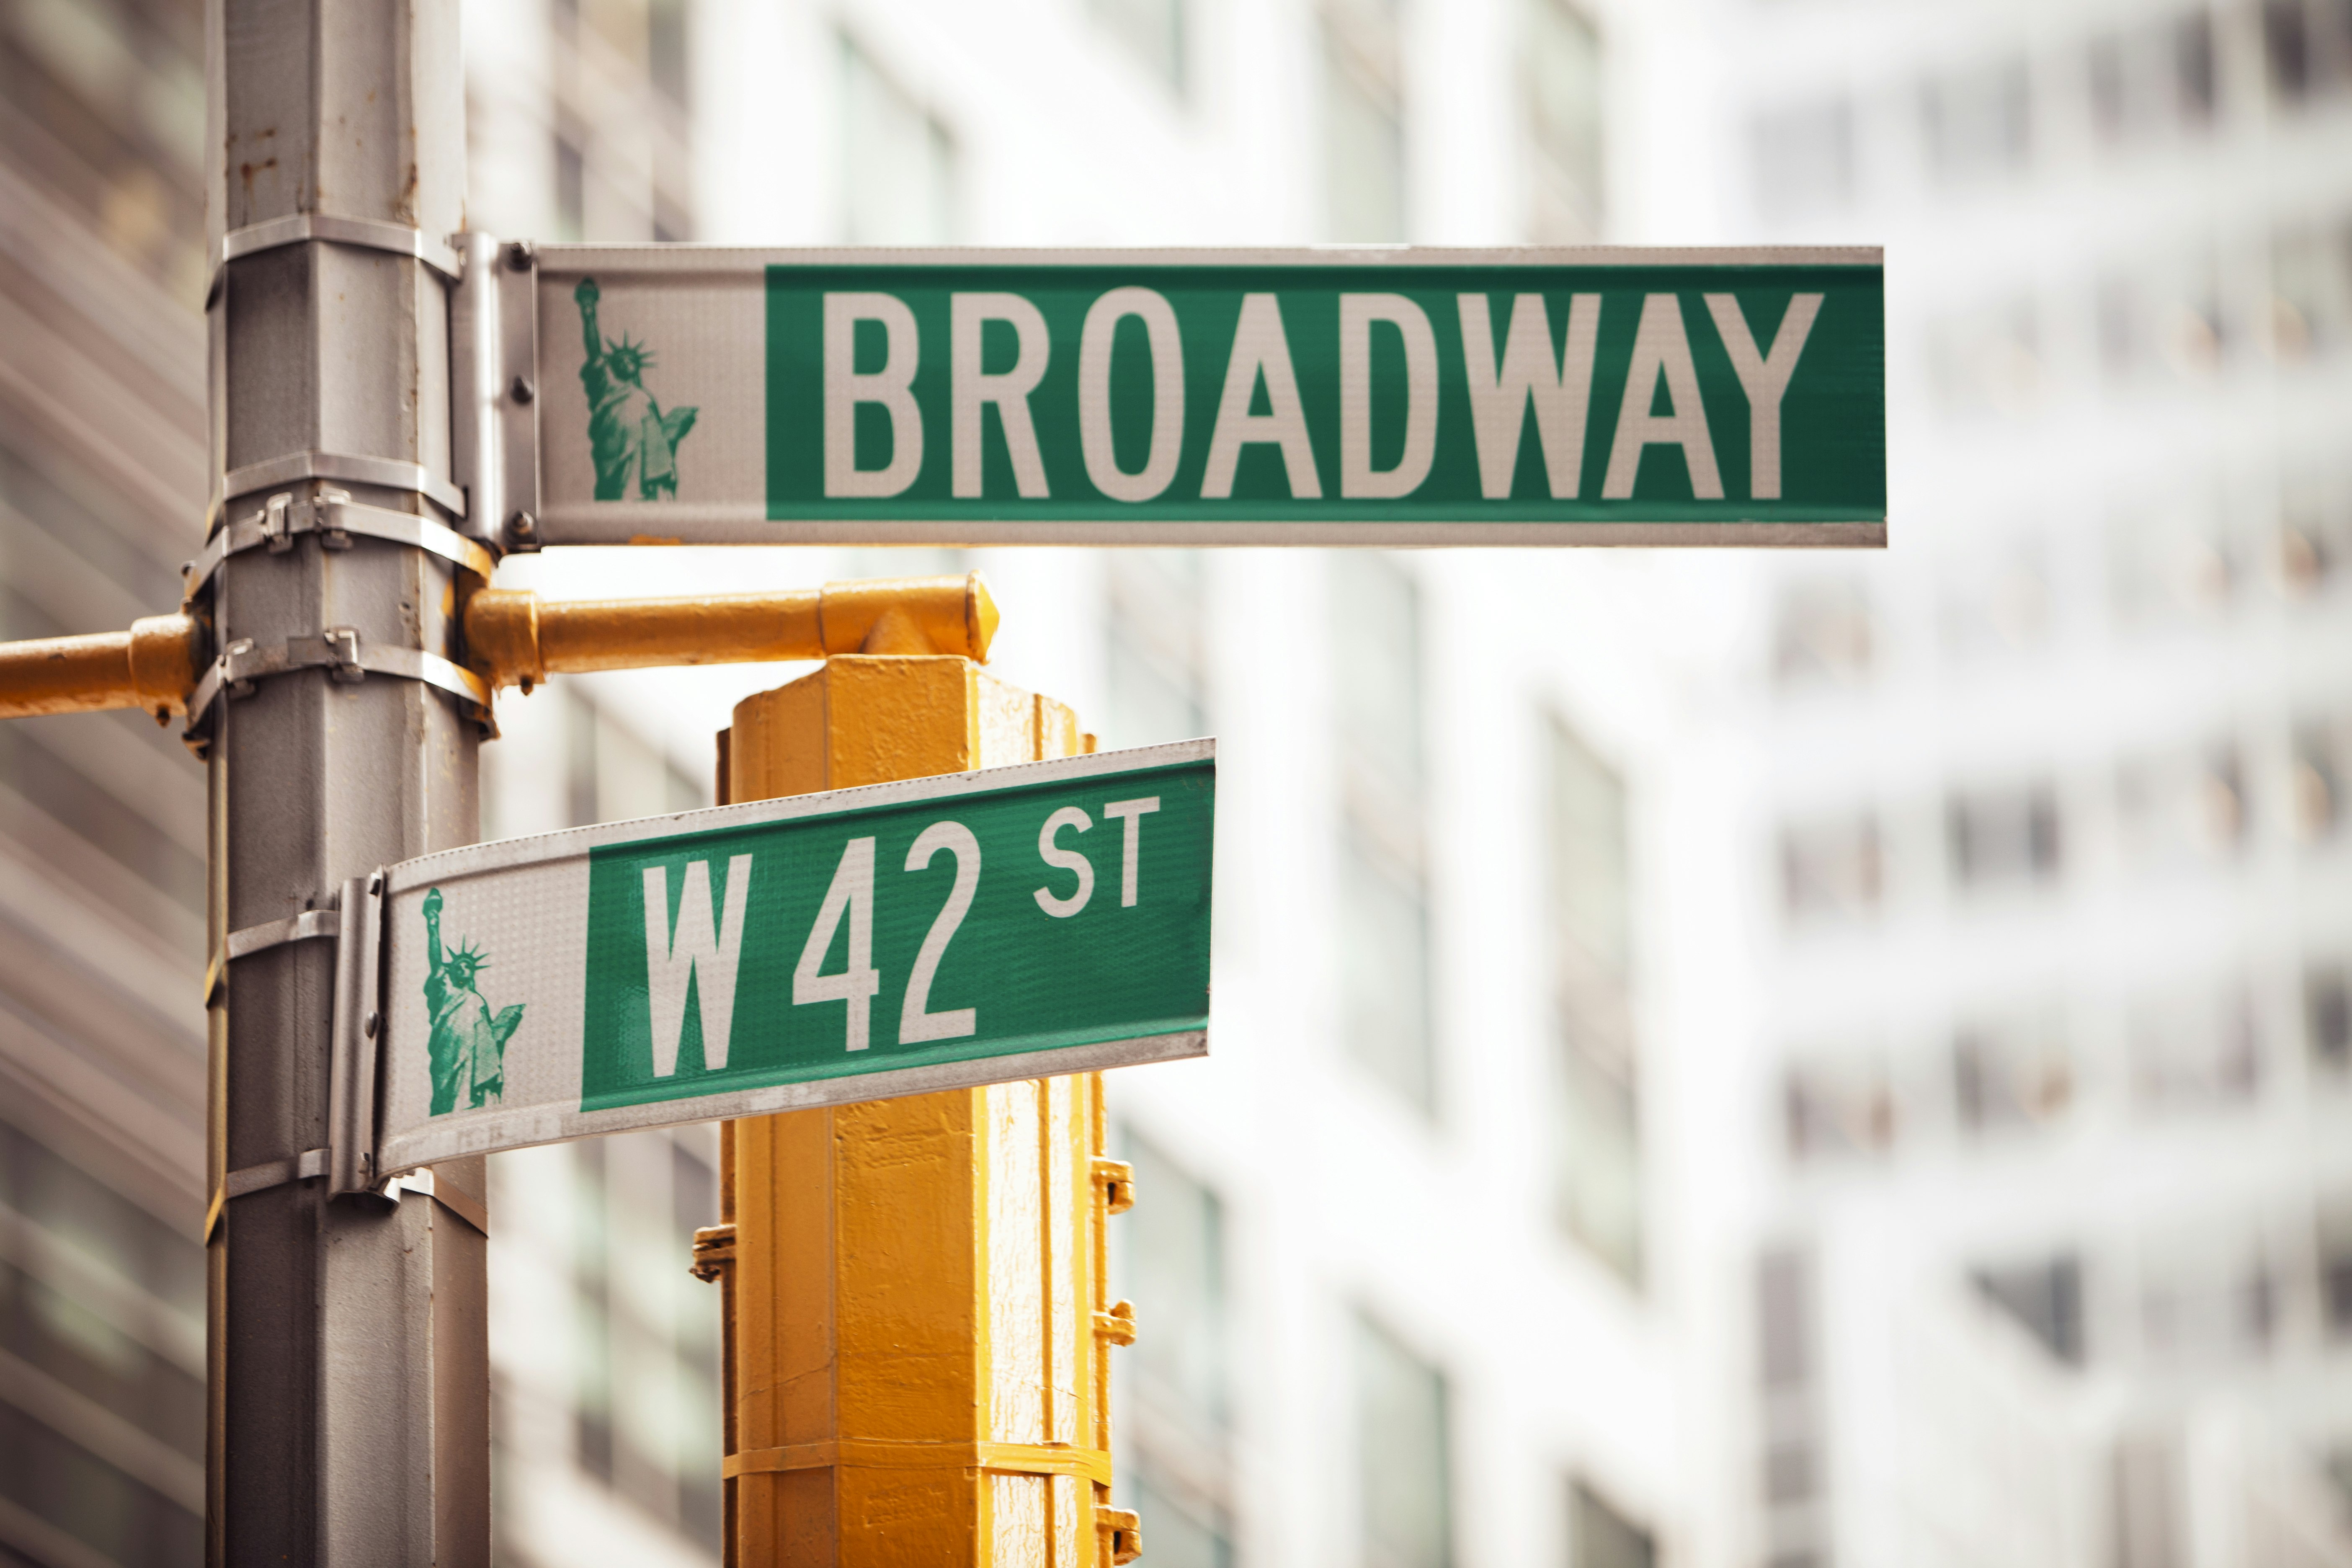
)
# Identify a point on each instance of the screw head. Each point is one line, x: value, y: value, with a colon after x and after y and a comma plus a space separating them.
x: 522, y: 532
x: 375, y: 1022
x: 521, y: 390
x: 521, y: 253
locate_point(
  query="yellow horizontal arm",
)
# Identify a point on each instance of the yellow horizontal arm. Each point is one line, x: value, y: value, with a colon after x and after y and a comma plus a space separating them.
x: 153, y: 666
x: 516, y: 638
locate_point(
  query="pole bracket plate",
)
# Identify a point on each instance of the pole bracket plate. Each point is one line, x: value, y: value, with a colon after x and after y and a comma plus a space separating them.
x: 355, y: 925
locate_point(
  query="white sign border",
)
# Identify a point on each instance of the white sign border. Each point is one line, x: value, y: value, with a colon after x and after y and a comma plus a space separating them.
x: 659, y: 523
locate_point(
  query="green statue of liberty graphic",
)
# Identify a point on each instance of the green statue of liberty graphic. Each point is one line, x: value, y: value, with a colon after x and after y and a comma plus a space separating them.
x: 467, y: 1049
x: 627, y: 428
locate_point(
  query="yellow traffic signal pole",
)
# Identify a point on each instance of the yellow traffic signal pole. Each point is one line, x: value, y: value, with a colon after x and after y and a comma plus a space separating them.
x: 917, y: 1325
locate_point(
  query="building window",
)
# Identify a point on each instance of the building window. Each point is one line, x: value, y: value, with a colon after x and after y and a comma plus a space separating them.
x: 2146, y: 1527
x: 1821, y: 633
x: 1171, y: 1258
x: 644, y: 1392
x: 2335, y: 1267
x: 1802, y: 159
x: 1830, y: 870
x: 2011, y: 1071
x: 2194, y: 1048
x: 1601, y: 1537
x: 1597, y: 1172
x: 667, y: 61
x: 2323, y: 762
x: 570, y: 189
x: 613, y: 775
x: 2327, y: 1015
x: 899, y: 182
x: 1564, y: 124
x: 1153, y: 31
x: 2308, y: 45
x: 2170, y: 560
x: 2182, y: 808
x: 1157, y: 646
x: 1363, y: 121
x: 1987, y: 359
x: 2045, y: 1298
x: 2207, y: 1299
x: 1996, y: 597
x: 2004, y: 837
x: 1790, y: 1475
x: 2314, y: 533
x: 2152, y: 79
x: 1979, y: 120
x: 1404, y: 1465
x: 1383, y: 891
x: 2160, y: 319
x: 2311, y: 289
x: 1837, y: 1105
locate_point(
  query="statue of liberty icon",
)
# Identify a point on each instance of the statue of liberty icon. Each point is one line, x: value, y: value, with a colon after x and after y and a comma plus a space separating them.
x: 468, y: 1048
x: 627, y: 428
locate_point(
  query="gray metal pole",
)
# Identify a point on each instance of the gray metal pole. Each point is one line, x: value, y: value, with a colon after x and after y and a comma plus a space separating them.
x: 350, y: 1379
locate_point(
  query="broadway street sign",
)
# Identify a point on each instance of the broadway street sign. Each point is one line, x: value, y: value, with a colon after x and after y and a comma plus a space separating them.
x: 969, y: 929
x: 1209, y: 398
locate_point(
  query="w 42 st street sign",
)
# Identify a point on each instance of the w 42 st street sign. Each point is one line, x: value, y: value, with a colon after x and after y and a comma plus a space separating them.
x: 968, y: 929
x: 1202, y: 397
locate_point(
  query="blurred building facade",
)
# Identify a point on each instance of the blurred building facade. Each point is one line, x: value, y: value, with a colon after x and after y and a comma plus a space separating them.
x: 103, y: 493
x: 2051, y: 800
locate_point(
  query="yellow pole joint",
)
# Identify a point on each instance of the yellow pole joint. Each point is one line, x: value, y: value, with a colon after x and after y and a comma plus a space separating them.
x: 516, y: 638
x: 153, y: 666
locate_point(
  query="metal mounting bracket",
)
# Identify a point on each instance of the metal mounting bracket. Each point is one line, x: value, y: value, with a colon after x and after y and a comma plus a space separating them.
x: 355, y: 925
x: 494, y: 414
x: 358, y: 1027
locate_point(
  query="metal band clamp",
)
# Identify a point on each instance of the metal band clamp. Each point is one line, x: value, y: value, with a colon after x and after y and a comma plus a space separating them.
x: 339, y: 651
x: 302, y: 1167
x: 270, y: 1173
x: 334, y: 517
x: 386, y: 473
x: 309, y: 923
x: 372, y: 234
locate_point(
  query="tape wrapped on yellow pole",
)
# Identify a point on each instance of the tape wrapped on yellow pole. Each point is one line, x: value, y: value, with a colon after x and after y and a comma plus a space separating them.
x: 918, y: 1334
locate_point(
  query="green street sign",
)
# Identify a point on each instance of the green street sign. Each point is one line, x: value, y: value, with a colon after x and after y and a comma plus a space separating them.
x: 1372, y: 397
x: 857, y: 944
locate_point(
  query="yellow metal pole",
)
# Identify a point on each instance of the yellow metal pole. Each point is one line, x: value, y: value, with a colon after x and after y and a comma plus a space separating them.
x: 917, y: 1318
x: 513, y: 637
x: 153, y: 666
